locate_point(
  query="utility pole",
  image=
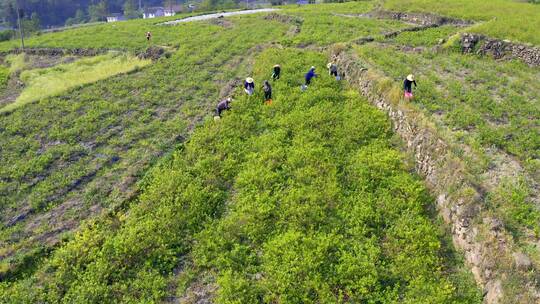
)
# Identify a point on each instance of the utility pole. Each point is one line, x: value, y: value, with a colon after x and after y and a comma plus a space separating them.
x: 140, y: 5
x: 21, y: 30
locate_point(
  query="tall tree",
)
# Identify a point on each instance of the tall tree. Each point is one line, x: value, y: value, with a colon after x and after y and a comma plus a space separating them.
x: 99, y: 11
x: 32, y: 24
x: 169, y: 3
x: 80, y: 16
x: 130, y: 9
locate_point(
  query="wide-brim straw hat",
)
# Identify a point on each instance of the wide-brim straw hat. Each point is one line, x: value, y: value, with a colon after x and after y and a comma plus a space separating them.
x: 277, y: 66
x: 410, y: 77
x: 249, y: 80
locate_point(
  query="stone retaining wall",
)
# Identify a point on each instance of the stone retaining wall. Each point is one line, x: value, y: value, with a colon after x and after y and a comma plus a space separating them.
x: 499, y: 49
x: 484, y: 242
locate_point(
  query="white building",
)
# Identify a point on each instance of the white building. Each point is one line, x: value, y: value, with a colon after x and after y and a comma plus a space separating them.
x: 168, y: 12
x: 115, y: 18
x: 153, y: 12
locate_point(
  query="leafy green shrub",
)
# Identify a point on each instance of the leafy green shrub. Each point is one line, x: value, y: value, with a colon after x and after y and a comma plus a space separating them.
x: 5, y: 35
x: 4, y: 77
x: 429, y: 37
x: 511, y: 199
x: 282, y: 202
x: 506, y: 16
x: 90, y: 145
x: 465, y: 92
x: 313, y: 221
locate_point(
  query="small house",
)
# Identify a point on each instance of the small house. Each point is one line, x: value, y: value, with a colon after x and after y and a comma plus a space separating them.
x: 115, y: 18
x: 153, y: 12
x: 169, y: 12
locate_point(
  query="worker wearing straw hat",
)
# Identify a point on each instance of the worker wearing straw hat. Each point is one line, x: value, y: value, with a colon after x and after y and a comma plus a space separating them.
x: 276, y: 72
x: 223, y: 105
x: 407, y: 86
x: 249, y: 86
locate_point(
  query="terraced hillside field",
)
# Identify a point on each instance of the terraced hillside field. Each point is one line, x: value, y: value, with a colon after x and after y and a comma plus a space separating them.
x: 123, y: 188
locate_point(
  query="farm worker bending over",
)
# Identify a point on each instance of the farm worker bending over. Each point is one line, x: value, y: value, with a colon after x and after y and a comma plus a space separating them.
x: 222, y: 106
x: 276, y: 72
x: 332, y: 69
x: 310, y: 75
x: 249, y: 86
x: 267, y: 89
x: 148, y: 36
x: 407, y: 86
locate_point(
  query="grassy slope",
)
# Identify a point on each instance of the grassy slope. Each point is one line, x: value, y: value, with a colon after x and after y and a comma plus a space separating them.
x: 129, y: 35
x: 139, y: 98
x: 4, y: 77
x: 283, y: 191
x: 67, y: 157
x: 87, y: 148
x: 503, y: 19
x: 489, y: 108
x: 43, y: 83
x: 494, y: 99
x: 322, y: 27
x: 316, y: 182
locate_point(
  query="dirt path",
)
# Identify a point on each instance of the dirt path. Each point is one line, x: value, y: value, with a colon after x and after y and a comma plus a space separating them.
x: 219, y: 15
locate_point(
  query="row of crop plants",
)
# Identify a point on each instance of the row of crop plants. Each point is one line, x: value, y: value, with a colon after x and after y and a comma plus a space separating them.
x: 487, y: 105
x: 302, y: 201
x: 494, y: 108
x: 83, y: 150
x: 67, y: 155
x: 320, y: 26
x: 514, y: 20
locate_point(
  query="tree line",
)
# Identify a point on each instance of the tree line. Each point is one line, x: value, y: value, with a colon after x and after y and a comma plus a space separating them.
x: 50, y: 13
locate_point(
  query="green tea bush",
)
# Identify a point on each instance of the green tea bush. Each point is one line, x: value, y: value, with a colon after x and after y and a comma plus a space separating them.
x: 509, y: 19
x: 4, y: 77
x: 485, y: 105
x: 84, y: 149
x: 6, y: 35
x: 313, y: 221
x: 489, y: 100
x: 511, y: 198
x: 302, y: 201
x: 429, y: 37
